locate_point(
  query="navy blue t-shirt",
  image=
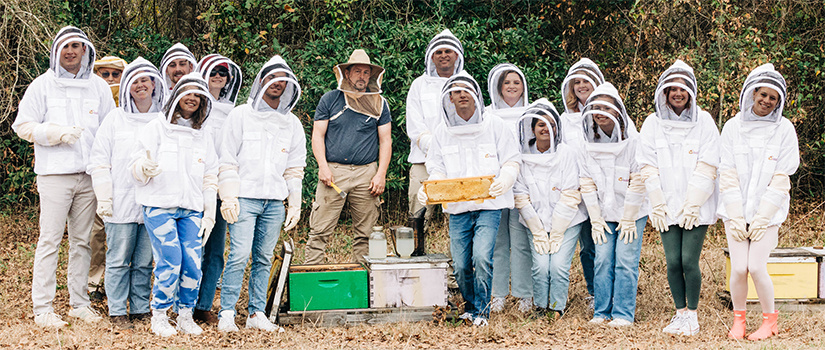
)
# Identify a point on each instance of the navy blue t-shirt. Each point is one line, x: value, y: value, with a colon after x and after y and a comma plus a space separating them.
x: 352, y: 138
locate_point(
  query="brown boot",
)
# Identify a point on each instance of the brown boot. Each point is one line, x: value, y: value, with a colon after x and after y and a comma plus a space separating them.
x: 768, y: 328
x: 737, y: 331
x: 122, y: 322
x: 205, y: 316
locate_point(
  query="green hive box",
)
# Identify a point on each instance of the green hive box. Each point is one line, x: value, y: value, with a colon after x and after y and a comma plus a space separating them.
x: 328, y: 287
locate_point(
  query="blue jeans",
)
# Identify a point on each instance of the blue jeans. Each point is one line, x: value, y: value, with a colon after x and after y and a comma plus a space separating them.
x: 617, y: 274
x: 212, y: 264
x: 256, y: 232
x: 176, y: 248
x: 512, y: 258
x: 587, y: 254
x: 128, y: 269
x: 472, y: 239
x: 551, y: 273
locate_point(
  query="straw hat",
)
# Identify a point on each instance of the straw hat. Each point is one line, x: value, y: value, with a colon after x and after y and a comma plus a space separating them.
x: 360, y: 56
x: 110, y: 62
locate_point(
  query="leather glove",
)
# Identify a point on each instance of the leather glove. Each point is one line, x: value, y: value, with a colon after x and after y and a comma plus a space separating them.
x: 230, y: 209
x: 422, y: 195
x: 732, y: 200
x: 736, y: 228
x: 102, y: 185
x: 207, y: 224
x: 104, y: 208
x: 591, y: 201
x: 293, y: 213
x: 505, y: 180
x: 424, y: 142
x: 540, y: 239
x: 210, y: 201
x: 633, y: 199
x: 564, y: 212
x: 145, y: 168
x: 229, y: 188
x: 769, y: 205
x: 700, y: 187
x: 659, y: 212
x: 70, y: 134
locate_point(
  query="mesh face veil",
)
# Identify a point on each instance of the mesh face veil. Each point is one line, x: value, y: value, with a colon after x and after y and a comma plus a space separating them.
x: 493, y: 78
x: 461, y: 82
x: 191, y: 83
x: 764, y: 76
x: 604, y: 100
x: 541, y: 110
x: 583, y: 69
x: 68, y: 35
x: 679, y: 75
x: 444, y: 40
x: 139, y: 68
x: 229, y: 93
x: 292, y: 90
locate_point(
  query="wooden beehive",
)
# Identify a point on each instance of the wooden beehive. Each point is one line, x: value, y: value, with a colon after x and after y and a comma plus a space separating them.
x: 794, y: 273
x: 419, y: 281
x: 461, y: 189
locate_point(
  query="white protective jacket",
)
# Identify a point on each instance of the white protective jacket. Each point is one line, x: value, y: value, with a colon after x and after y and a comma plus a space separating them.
x: 543, y: 176
x: 510, y: 115
x: 186, y: 156
x: 55, y: 99
x: 229, y: 94
x: 261, y: 143
x: 609, y: 161
x: 759, y: 147
x: 175, y: 52
x: 572, y: 120
x: 675, y: 147
x: 117, y: 139
x: 478, y: 147
x: 423, y: 99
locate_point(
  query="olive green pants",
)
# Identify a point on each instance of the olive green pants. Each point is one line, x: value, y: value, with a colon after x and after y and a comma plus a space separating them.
x: 682, y: 251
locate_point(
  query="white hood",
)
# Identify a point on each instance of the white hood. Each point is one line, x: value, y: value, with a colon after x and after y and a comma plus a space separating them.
x: 448, y: 112
x: 762, y: 76
x: 622, y: 126
x: 444, y: 40
x: 67, y: 35
x: 291, y: 93
x: 493, y: 88
x: 678, y: 75
x: 192, y: 79
x: 229, y: 93
x: 543, y: 110
x: 140, y: 67
x: 583, y: 69
x: 176, y: 52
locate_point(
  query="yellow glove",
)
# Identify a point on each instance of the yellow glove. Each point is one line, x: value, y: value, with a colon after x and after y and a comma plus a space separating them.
x: 229, y: 187
x: 700, y: 187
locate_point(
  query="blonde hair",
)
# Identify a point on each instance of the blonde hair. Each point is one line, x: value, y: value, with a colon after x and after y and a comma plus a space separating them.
x: 570, y: 95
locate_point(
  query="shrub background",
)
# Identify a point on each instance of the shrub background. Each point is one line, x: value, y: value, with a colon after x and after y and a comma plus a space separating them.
x: 632, y: 41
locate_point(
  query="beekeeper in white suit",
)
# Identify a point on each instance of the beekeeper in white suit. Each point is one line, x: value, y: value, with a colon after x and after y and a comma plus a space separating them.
x: 177, y: 62
x: 547, y: 197
x: 443, y: 59
x: 469, y: 143
x: 760, y: 150
x: 679, y: 154
x: 60, y: 113
x: 129, y: 253
x: 614, y: 194
x: 262, y: 165
x: 511, y: 258
x: 582, y: 78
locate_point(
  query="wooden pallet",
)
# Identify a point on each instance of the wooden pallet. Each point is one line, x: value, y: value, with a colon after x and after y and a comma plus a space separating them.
x: 783, y: 305
x: 336, y: 318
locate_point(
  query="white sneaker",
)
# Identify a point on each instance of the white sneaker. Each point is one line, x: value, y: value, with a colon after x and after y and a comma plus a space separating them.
x: 591, y: 303
x: 690, y: 326
x: 186, y: 324
x: 261, y: 322
x: 676, y: 323
x: 618, y: 322
x: 86, y: 314
x: 226, y: 321
x: 497, y: 305
x: 480, y: 322
x: 49, y: 320
x: 597, y: 320
x: 525, y: 305
x: 466, y: 316
x: 160, y: 324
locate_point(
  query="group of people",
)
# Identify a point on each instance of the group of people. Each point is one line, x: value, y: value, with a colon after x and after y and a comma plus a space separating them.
x: 169, y: 162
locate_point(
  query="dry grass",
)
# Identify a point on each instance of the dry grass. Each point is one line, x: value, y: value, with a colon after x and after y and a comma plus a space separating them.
x: 507, y: 330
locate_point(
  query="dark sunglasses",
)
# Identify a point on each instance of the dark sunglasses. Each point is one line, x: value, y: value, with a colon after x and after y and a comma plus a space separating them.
x: 222, y: 73
x: 106, y: 74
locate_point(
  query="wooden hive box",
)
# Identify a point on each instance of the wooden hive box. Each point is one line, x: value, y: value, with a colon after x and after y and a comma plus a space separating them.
x: 420, y: 281
x: 458, y: 190
x: 328, y: 287
x: 795, y: 273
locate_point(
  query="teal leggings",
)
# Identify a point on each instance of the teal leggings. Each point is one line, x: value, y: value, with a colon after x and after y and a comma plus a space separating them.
x: 682, y: 250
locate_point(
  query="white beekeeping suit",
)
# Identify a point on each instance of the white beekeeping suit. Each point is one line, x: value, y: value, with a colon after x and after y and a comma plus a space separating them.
x: 547, y: 188
x: 423, y: 99
x: 586, y: 70
x: 509, y: 114
x: 229, y: 93
x: 175, y: 52
x: 115, y: 142
x: 60, y: 112
x: 264, y: 149
x: 757, y: 156
x: 607, y: 163
x: 185, y: 156
x: 679, y: 154
x: 483, y: 145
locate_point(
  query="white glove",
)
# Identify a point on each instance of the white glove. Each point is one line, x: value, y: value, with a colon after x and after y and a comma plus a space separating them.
x: 771, y: 201
x: 700, y: 187
x: 424, y: 142
x: 564, y: 212
x: 210, y: 201
x: 69, y: 134
x: 145, y: 168
x: 104, y: 208
x: 505, y: 180
x: 102, y: 184
x: 540, y: 239
x: 732, y: 200
x: 293, y: 213
x: 206, y: 229
x: 659, y: 213
x: 230, y: 209
x: 422, y: 195
x: 633, y: 199
x: 229, y: 188
x: 591, y: 201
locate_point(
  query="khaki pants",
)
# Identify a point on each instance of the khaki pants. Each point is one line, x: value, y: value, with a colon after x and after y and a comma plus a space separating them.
x: 63, y: 198
x: 97, y: 242
x: 418, y: 174
x: 355, y: 180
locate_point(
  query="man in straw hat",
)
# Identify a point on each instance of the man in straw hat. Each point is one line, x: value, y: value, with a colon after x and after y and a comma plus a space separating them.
x: 350, y: 133
x: 109, y: 68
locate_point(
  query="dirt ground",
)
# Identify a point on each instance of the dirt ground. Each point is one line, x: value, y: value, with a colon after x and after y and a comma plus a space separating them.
x: 510, y: 329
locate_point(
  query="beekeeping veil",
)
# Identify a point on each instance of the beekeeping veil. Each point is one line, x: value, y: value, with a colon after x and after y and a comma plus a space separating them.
x: 764, y: 76
x: 292, y: 91
x: 583, y: 69
x: 444, y: 40
x: 498, y: 72
x: 606, y: 98
x: 229, y: 93
x: 68, y: 35
x: 370, y: 102
x: 542, y: 110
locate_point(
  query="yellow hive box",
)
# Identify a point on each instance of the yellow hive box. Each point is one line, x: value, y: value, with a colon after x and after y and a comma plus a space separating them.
x: 794, y: 273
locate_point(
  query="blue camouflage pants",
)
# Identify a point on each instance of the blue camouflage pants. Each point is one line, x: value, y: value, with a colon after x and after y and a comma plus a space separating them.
x: 176, y: 248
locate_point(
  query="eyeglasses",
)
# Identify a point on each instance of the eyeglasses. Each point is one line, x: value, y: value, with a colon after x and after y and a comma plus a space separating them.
x: 106, y: 74
x: 222, y: 73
